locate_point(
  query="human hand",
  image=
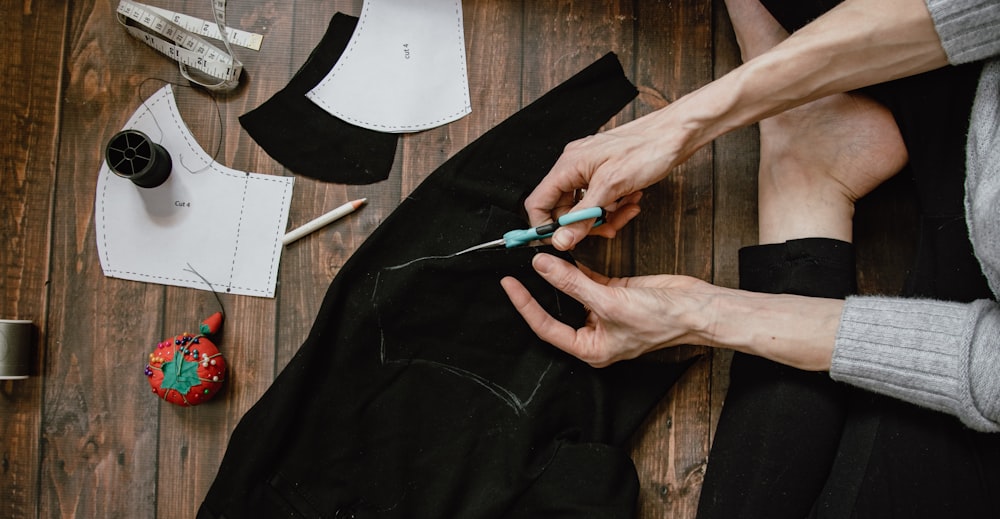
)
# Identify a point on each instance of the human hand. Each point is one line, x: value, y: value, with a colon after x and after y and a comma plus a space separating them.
x: 613, y: 167
x: 626, y: 316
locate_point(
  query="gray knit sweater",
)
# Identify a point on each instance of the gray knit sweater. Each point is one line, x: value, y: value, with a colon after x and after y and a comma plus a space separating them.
x: 937, y: 354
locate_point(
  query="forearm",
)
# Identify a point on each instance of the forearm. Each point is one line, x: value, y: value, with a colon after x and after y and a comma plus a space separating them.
x: 858, y: 43
x: 795, y: 330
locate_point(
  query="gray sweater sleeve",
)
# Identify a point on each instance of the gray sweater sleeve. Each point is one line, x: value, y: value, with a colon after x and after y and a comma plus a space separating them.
x: 940, y: 355
x: 968, y: 28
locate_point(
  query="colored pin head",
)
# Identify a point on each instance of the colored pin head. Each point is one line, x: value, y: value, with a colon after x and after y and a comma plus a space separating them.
x: 188, y: 369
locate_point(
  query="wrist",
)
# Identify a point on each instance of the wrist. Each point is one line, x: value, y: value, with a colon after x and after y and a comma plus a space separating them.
x: 795, y: 330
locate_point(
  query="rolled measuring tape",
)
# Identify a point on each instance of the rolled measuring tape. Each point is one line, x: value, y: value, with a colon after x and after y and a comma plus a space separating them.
x: 180, y: 37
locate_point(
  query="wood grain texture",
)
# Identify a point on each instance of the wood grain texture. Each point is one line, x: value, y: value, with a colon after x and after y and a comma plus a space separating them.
x: 735, y: 157
x: 99, y: 428
x: 191, y: 442
x: 674, y: 236
x: 84, y: 438
x: 32, y: 64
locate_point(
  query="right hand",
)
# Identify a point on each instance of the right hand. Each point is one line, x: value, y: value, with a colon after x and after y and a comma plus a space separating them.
x: 613, y: 167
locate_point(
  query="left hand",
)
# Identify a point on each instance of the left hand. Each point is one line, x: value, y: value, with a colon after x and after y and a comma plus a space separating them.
x: 626, y: 316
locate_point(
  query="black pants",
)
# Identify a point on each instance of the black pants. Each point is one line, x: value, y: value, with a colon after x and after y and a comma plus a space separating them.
x: 793, y: 444
x: 420, y: 392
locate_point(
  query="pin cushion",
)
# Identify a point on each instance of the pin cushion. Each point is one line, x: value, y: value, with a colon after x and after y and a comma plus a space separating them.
x: 188, y: 369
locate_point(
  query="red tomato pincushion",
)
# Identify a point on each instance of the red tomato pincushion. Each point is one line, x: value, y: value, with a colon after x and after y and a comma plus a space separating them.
x: 188, y: 369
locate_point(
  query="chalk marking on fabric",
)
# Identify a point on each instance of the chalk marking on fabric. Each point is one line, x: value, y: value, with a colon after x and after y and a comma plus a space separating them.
x: 538, y: 384
x: 425, y: 258
x: 503, y: 394
x: 508, y: 397
x: 378, y: 276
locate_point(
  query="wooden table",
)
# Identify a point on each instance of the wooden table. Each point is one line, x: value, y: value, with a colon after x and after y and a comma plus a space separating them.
x: 84, y: 437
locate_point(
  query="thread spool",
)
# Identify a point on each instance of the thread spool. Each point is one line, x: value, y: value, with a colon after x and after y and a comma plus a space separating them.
x: 132, y: 155
x: 16, y: 339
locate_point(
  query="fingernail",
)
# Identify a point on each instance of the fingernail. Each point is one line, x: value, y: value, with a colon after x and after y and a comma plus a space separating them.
x: 562, y: 239
x: 542, y: 263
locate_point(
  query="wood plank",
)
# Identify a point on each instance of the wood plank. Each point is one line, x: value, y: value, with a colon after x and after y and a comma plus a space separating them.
x: 674, y: 236
x: 32, y: 62
x: 561, y: 41
x: 886, y: 232
x: 310, y: 264
x: 192, y: 441
x: 735, y: 155
x: 493, y: 51
x: 99, y: 424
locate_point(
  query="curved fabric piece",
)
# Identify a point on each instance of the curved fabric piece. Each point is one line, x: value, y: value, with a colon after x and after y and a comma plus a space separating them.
x: 403, y: 70
x: 420, y: 391
x: 308, y: 141
x: 206, y: 222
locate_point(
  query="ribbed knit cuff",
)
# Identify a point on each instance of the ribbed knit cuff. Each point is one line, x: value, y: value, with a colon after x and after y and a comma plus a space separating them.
x: 967, y: 29
x: 910, y: 349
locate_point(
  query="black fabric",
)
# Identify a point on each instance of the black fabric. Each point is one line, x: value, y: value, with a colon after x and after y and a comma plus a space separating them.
x: 309, y: 141
x: 420, y: 392
x: 794, y: 444
x: 897, y: 460
x: 780, y: 427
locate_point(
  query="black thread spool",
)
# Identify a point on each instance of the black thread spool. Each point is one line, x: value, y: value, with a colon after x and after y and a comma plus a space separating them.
x: 132, y: 155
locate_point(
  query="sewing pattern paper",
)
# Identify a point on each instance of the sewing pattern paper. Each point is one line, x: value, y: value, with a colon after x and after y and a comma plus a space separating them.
x: 403, y: 70
x: 206, y: 221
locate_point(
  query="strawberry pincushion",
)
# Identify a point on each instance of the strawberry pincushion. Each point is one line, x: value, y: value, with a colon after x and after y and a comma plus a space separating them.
x: 188, y: 369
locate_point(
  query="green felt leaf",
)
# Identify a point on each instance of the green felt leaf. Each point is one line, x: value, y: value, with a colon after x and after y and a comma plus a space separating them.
x: 180, y: 379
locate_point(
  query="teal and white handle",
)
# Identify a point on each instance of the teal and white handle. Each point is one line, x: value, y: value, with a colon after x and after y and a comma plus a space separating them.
x: 519, y: 237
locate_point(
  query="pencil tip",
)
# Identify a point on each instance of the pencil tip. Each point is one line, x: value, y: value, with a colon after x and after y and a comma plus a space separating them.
x: 359, y: 202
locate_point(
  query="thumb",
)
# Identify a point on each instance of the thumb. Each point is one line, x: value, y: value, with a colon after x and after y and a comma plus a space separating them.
x: 567, y: 278
x: 567, y: 236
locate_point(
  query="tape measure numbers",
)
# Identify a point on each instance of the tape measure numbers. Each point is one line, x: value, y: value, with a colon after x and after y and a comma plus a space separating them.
x: 179, y: 37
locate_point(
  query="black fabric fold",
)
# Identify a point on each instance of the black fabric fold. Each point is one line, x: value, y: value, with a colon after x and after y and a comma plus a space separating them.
x: 780, y: 427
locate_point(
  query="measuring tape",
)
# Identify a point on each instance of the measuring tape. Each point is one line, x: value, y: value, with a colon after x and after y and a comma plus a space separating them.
x: 179, y: 37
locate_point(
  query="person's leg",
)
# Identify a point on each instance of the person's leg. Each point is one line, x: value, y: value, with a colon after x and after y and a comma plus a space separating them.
x: 780, y: 427
x: 818, y: 159
x: 893, y: 459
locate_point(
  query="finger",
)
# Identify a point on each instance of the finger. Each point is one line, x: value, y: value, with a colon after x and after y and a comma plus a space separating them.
x: 558, y: 187
x: 549, y: 196
x: 594, y: 276
x: 616, y: 221
x: 567, y: 278
x: 567, y: 236
x: 548, y: 328
x: 629, y: 199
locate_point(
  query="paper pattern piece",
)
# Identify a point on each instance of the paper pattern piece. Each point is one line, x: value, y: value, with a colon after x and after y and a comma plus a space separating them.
x: 403, y: 70
x: 222, y: 223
